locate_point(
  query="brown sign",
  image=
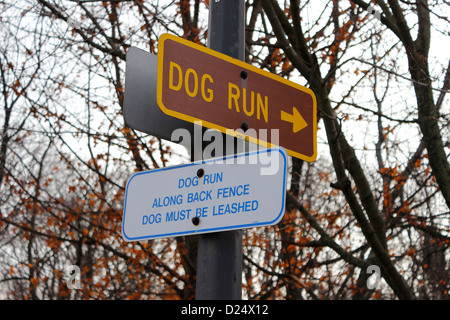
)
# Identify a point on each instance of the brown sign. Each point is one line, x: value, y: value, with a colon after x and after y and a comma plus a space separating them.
x: 199, y: 84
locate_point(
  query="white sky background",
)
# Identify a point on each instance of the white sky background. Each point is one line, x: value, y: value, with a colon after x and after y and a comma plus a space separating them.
x: 361, y: 134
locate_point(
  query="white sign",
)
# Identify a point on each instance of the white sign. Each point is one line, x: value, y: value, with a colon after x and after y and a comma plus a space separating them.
x: 234, y: 192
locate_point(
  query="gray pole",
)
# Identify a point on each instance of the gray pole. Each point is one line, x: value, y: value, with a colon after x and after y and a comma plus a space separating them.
x: 219, y: 260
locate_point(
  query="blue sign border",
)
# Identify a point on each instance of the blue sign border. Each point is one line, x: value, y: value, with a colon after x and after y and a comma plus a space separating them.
x: 218, y: 229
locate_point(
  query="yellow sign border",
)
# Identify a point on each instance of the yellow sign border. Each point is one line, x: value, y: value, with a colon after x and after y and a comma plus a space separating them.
x: 233, y: 132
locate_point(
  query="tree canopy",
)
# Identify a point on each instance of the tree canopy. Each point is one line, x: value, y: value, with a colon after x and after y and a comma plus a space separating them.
x: 369, y: 219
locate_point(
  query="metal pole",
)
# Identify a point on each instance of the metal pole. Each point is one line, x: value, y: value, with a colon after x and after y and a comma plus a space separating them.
x: 219, y: 260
